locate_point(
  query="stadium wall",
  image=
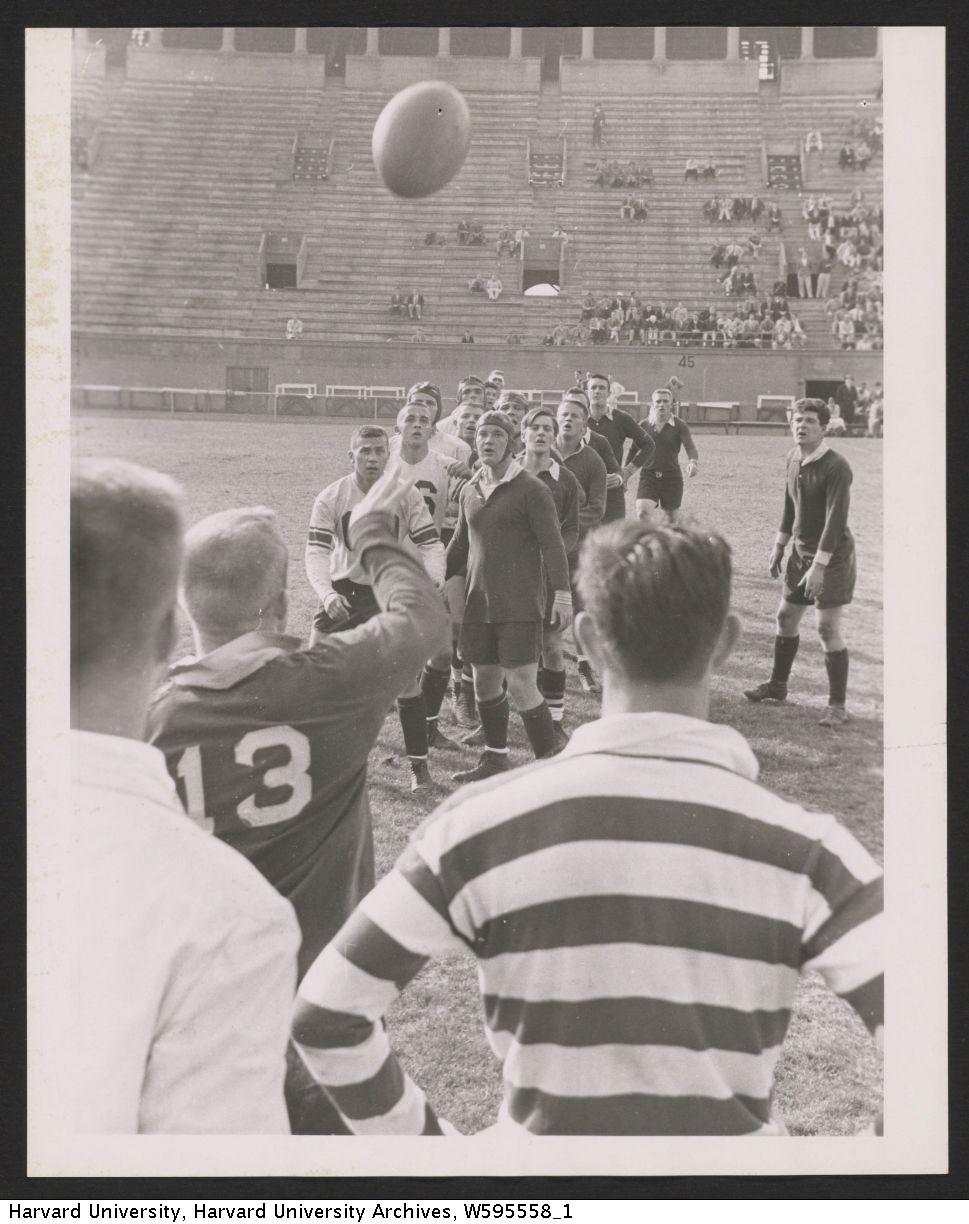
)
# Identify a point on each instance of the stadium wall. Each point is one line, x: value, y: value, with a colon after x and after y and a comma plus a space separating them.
x: 831, y: 76
x: 386, y: 73
x: 216, y: 67
x: 733, y: 375
x: 603, y: 77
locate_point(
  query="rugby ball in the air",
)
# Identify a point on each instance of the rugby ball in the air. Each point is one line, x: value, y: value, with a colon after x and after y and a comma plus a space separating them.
x: 421, y: 138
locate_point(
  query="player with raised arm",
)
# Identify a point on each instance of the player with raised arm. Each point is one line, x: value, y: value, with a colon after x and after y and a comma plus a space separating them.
x: 268, y: 741
x: 640, y: 909
x: 538, y: 431
x: 661, y: 481
x: 507, y: 542
x: 336, y: 575
x: 821, y: 567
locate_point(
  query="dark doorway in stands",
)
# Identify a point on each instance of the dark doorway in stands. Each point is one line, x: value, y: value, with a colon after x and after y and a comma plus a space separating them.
x: 548, y: 278
x: 550, y: 44
x: 281, y: 276
x: 822, y: 388
x: 336, y: 43
x: 769, y: 45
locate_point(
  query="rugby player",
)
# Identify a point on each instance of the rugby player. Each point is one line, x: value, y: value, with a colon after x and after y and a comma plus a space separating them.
x: 538, y: 431
x: 429, y: 394
x: 268, y: 742
x: 507, y: 541
x: 661, y: 481
x: 821, y: 567
x: 470, y: 391
x: 583, y: 459
x: 336, y: 575
x: 514, y: 406
x: 616, y: 427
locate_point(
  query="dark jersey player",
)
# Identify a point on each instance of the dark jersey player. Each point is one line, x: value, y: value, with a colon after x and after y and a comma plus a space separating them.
x: 610, y: 422
x: 821, y: 567
x: 268, y: 742
x: 661, y: 480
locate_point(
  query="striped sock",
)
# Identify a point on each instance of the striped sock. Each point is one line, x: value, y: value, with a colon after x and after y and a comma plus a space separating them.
x: 494, y: 720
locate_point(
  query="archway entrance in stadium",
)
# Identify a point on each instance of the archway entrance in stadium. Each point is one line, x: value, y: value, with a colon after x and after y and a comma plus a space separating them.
x: 821, y: 388
x: 541, y: 283
x: 549, y: 44
x: 769, y: 45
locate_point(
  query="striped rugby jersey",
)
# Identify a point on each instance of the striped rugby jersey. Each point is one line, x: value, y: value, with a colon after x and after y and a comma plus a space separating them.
x: 327, y: 538
x: 640, y: 913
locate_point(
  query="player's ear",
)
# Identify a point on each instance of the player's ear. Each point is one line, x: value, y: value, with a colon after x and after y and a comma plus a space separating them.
x: 166, y: 636
x: 730, y: 635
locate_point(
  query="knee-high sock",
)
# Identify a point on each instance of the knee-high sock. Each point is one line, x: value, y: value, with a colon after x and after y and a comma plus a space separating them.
x: 433, y: 687
x: 785, y: 648
x: 836, y: 665
x: 538, y: 728
x: 551, y: 684
x: 413, y: 722
x: 494, y: 720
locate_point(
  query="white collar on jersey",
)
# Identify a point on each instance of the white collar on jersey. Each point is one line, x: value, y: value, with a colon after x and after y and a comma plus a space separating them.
x: 816, y: 454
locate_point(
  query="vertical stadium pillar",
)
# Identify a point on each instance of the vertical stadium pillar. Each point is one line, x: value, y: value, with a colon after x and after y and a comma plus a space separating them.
x: 588, y: 42
x: 228, y: 38
x: 373, y: 43
x: 878, y: 42
x: 300, y: 48
x: 807, y: 42
x: 444, y: 40
x: 515, y: 51
x: 733, y: 42
x: 659, y: 42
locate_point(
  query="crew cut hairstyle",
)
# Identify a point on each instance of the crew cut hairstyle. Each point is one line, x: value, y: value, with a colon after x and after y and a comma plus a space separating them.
x: 235, y: 565
x: 659, y: 596
x: 367, y: 431
x: 592, y: 374
x: 126, y: 547
x: 817, y: 406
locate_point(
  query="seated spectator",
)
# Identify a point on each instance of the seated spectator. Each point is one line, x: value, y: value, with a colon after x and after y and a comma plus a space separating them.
x: 846, y: 157
x: 559, y: 232
x: 616, y: 321
x: 494, y: 287
x: 717, y: 254
x: 813, y: 143
x: 652, y: 330
x: 513, y: 337
x: 774, y: 219
x: 506, y: 241
x: 548, y: 339
x: 433, y: 238
x: 747, y: 282
x: 863, y: 155
x: 733, y: 252
x: 476, y: 235
x: 725, y: 207
x: 599, y: 331
x: 710, y: 209
x: 466, y: 337
x: 709, y: 168
x: 560, y: 334
x: 640, y: 209
x: 415, y: 304
x: 588, y: 306
x: 419, y: 337
x: 398, y: 301
x: 294, y: 328
x: 692, y: 170
x: 755, y: 207
x: 476, y: 284
x: 464, y: 229
x: 846, y: 333
x: 626, y: 209
x: 754, y: 243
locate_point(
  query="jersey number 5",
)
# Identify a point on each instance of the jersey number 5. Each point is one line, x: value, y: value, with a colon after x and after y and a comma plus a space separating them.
x: 294, y: 775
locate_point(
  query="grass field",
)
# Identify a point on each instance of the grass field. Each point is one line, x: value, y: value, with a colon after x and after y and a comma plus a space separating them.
x: 829, y: 1078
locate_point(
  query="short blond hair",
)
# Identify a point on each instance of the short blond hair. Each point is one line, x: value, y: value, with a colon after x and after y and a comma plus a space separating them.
x: 235, y: 566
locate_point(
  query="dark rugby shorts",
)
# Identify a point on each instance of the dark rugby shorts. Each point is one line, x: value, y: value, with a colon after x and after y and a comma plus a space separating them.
x: 665, y: 487
x: 507, y: 643
x: 839, y: 580
x: 362, y: 603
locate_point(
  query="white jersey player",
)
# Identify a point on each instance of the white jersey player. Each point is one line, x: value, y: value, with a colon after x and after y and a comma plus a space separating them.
x: 438, y: 478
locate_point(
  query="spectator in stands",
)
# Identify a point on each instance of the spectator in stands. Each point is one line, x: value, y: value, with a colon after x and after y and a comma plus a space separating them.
x: 559, y: 232
x: 640, y: 209
x: 847, y: 398
x: 433, y: 238
x: 476, y: 235
x: 506, y: 241
x: 774, y: 219
x: 718, y: 253
x: 709, y: 168
x: 813, y: 143
x: 692, y: 170
x: 415, y: 304
x: 513, y: 337
x: 626, y: 209
x: 494, y: 287
x: 419, y: 336
x: 548, y: 339
x: 598, y: 125
x: 476, y: 284
x: 725, y: 207
x: 732, y: 254
x: 836, y: 425
x: 803, y: 266
x: 467, y: 337
x: 599, y: 330
x: 755, y: 207
x: 876, y: 412
x: 862, y: 155
x: 846, y: 157
x: 588, y: 306
x: 294, y: 328
x: 398, y: 302
x: 520, y: 235
x: 464, y: 229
